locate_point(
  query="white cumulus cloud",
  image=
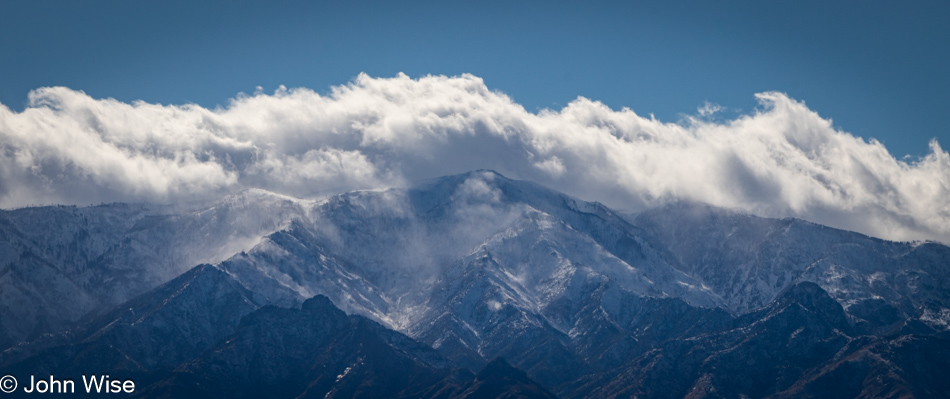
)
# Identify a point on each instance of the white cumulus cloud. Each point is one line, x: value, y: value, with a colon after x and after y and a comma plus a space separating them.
x: 782, y: 160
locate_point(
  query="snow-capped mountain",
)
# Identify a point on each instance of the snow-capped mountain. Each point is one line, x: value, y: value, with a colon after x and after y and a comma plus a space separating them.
x: 748, y: 260
x: 473, y: 267
x: 58, y: 264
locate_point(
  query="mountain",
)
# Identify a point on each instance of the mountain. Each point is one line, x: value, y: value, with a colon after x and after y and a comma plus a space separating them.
x: 43, y: 257
x: 202, y: 335
x: 476, y: 265
x: 747, y: 261
x: 500, y: 380
x: 160, y: 329
x: 312, y: 351
x: 58, y: 264
x: 801, y: 345
x: 446, y: 277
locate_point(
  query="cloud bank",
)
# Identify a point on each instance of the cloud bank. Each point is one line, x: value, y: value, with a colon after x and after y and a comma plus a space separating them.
x: 782, y: 160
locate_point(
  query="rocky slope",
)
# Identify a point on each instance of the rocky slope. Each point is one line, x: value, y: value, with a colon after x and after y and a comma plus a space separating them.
x: 684, y: 300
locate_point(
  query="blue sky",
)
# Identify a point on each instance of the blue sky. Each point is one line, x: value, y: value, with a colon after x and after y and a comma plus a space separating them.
x: 878, y: 69
x: 805, y: 86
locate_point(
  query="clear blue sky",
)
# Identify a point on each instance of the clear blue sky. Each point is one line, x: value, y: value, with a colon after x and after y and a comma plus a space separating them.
x: 878, y: 69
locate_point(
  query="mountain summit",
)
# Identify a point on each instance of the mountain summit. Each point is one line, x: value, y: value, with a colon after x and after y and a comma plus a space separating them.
x: 446, y: 275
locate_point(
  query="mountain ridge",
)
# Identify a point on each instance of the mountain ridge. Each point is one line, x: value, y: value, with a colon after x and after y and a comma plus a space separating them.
x: 478, y: 266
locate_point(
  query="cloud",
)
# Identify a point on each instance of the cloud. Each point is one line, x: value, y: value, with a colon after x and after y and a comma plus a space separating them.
x: 781, y: 160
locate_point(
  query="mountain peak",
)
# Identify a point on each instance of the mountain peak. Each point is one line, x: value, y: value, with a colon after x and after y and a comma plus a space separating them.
x: 499, y: 368
x: 808, y: 294
x: 501, y: 380
x: 319, y: 303
x: 813, y: 298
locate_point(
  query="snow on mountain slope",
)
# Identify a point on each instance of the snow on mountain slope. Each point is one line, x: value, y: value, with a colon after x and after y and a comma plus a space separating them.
x: 58, y: 264
x: 43, y: 257
x: 397, y: 255
x: 535, y: 266
x: 748, y: 260
x: 159, y: 329
x: 476, y: 266
x: 398, y: 245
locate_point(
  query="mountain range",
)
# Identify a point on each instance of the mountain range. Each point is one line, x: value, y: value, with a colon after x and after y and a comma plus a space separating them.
x: 472, y: 285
